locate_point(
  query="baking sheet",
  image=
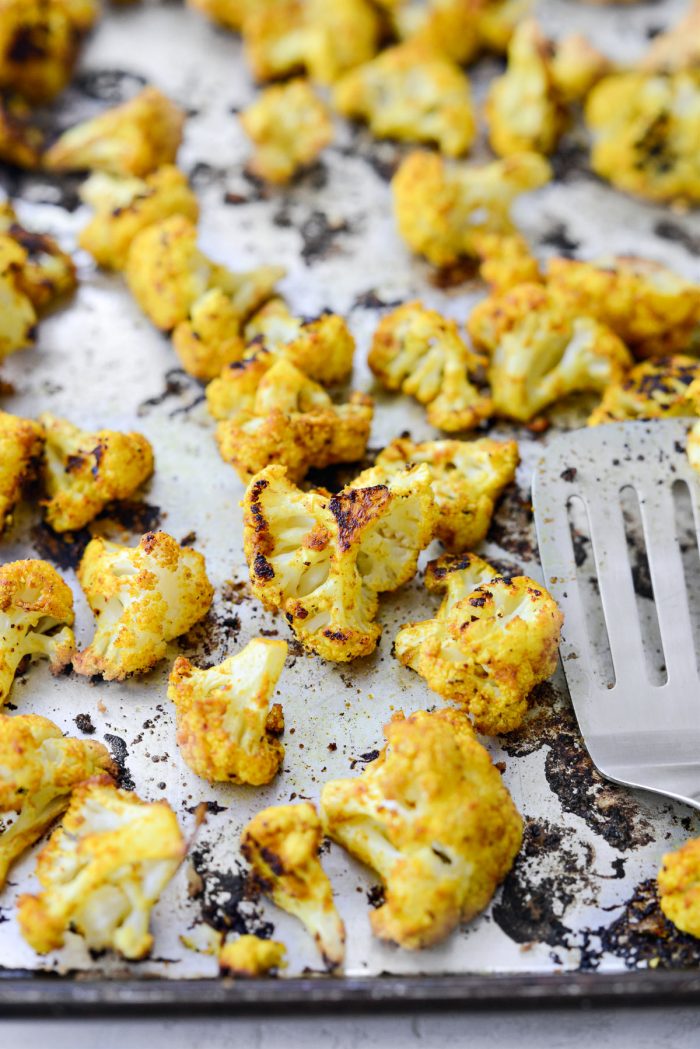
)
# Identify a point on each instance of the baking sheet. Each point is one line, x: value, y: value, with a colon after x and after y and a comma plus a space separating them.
x: 580, y: 896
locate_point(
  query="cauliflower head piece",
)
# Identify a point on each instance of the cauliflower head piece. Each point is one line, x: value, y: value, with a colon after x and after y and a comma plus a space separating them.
x: 506, y: 261
x: 421, y: 353
x: 39, y: 44
x: 39, y: 767
x: 432, y: 817
x: 46, y: 273
x: 83, y: 472
x: 656, y: 389
x: 323, y: 347
x: 36, y: 615
x: 21, y: 443
x: 467, y: 477
x: 226, y: 729
x: 461, y: 29
x: 323, y: 560
x: 289, y: 127
x: 281, y: 844
x: 492, y: 640
x: 678, y: 48
x: 134, y: 138
x: 249, y: 956
x: 142, y: 597
x: 678, y: 883
x: 102, y: 872
x: 18, y: 317
x: 441, y: 210
x: 21, y: 142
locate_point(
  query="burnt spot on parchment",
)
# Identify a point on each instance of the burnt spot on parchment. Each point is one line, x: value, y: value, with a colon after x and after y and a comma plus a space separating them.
x: 64, y: 550
x: 642, y: 935
x: 674, y: 231
x: 370, y: 300
x: 209, y: 640
x: 60, y: 191
x: 512, y: 526
x: 319, y: 235
x: 133, y: 516
x: 570, y: 162
x: 383, y: 156
x: 179, y: 387
x: 227, y: 898
x: 558, y: 236
x: 111, y: 86
x: 120, y: 753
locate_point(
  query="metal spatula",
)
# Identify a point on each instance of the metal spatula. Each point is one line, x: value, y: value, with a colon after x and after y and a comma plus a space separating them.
x: 639, y: 732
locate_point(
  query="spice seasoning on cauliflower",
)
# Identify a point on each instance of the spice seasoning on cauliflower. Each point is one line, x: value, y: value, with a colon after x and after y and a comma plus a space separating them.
x: 102, y: 872
x: 493, y: 639
x: 21, y: 442
x: 281, y: 844
x: 323, y: 560
x: 679, y: 887
x: 210, y: 338
x: 134, y: 138
x: 431, y: 815
x: 678, y: 48
x: 83, y: 472
x: 249, y: 956
x: 289, y: 126
x: 226, y: 729
x: 21, y: 143
x: 656, y: 389
x: 506, y: 260
x: 39, y: 44
x: 17, y: 314
x: 46, y: 273
x: 463, y: 28
x: 39, y: 767
x: 414, y: 93
x: 142, y: 597
x: 124, y: 206
x: 420, y: 352
x: 542, y: 350
x: 323, y: 348
x: 442, y: 209
x: 36, y: 615
x: 467, y: 477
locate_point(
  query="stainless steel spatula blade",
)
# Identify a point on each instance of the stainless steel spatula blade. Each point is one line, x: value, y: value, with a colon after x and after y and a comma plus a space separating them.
x: 639, y: 732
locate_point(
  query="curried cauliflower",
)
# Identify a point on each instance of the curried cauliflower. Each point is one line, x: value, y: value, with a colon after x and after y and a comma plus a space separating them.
x: 646, y: 133
x: 210, y: 338
x: 18, y: 317
x: 21, y: 142
x: 678, y: 48
x: 82, y: 472
x: 124, y: 206
x: 679, y: 887
x: 226, y: 729
x: 656, y: 389
x: 36, y: 615
x: 431, y: 815
x: 102, y: 872
x: 442, y: 210
x: 142, y: 597
x: 463, y: 28
x: 249, y: 956
x: 414, y: 93
x: 506, y: 260
x: 272, y: 413
x: 289, y: 126
x: 323, y: 348
x: 467, y: 477
x: 542, y: 350
x: 323, y: 560
x: 282, y: 37
x: 493, y: 639
x: 46, y: 273
x: 134, y: 138
x: 281, y: 844
x: 420, y: 352
x: 39, y: 768
x: 21, y: 442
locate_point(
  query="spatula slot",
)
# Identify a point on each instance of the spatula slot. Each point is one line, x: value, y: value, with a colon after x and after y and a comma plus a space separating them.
x: 687, y: 535
x: 643, y: 586
x: 589, y: 590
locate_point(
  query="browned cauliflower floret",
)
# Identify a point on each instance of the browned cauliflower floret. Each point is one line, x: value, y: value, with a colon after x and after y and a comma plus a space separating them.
x: 142, y: 597
x: 463, y: 28
x: 646, y: 133
x: 125, y: 206
x: 323, y: 348
x: 678, y: 48
x: 47, y: 273
x: 657, y: 389
x: 421, y: 353
x: 82, y: 472
x: 102, y: 872
x: 323, y: 560
x: 36, y: 615
x: 39, y: 43
x: 431, y: 815
x: 542, y: 350
x: 321, y: 37
x: 21, y: 442
x: 39, y: 768
x: 492, y: 640
x: 17, y: 313
x: 226, y: 729
x: 133, y: 138
x: 210, y: 338
x: 506, y: 260
x: 679, y: 887
x: 289, y: 126
x: 21, y: 142
x: 272, y: 413
x: 228, y: 13
x: 411, y: 92
x: 249, y: 956
x: 281, y: 844
x: 467, y: 477
x: 442, y: 210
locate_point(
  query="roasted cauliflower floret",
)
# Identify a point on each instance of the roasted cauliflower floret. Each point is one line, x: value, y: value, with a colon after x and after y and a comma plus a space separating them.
x: 506, y: 260
x: 281, y: 844
x: 678, y: 48
x: 421, y: 353
x: 656, y: 389
x: 249, y: 956
x: 39, y: 768
x: 210, y: 338
x: 467, y: 477
x: 542, y: 350
x: 21, y: 442
x: 36, y: 615
x: 124, y: 206
x: 431, y: 815
x: 46, y: 272
x: 102, y: 872
x: 646, y: 134
x: 17, y: 314
x: 134, y: 138
x: 463, y: 28
x: 226, y: 729
x: 21, y: 142
x: 322, y: 561
x: 493, y: 639
x: 142, y: 597
x: 441, y: 210
x: 323, y: 348
x: 289, y: 126
x: 411, y: 92
x: 322, y: 38
x: 39, y: 43
x: 679, y: 887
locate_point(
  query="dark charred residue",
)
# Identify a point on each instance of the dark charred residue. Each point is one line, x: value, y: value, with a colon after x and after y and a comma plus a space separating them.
x: 570, y: 162
x: 511, y: 527
x: 557, y: 236
x: 314, y: 176
x: 354, y: 509
x: 29, y: 43
x: 189, y: 540
x: 177, y: 384
x: 581, y: 544
x: 120, y: 753
x: 84, y: 723
x: 262, y: 568
x: 227, y: 897
x: 334, y: 478
x: 670, y: 230
x: 569, y: 474
x: 212, y: 807
x: 457, y: 273
x: 375, y: 896
x: 382, y: 156
x: 319, y: 235
x: 110, y: 86
x: 369, y: 300
x: 210, y: 639
x: 133, y: 515
x: 642, y: 934
x: 273, y: 861
x: 364, y: 759
x: 479, y: 602
x: 64, y: 550
x: 59, y: 191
